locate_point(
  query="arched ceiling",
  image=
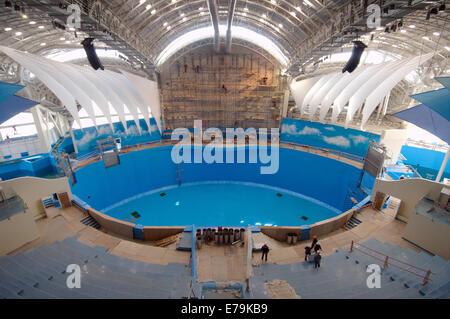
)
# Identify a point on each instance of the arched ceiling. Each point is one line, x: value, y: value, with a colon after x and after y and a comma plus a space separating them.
x: 304, y: 30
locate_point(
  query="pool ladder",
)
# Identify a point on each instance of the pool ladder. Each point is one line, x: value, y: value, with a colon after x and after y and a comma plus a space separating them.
x: 179, y: 178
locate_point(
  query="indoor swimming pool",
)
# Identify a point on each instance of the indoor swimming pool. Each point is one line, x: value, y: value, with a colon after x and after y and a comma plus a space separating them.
x: 221, y: 203
x: 149, y: 189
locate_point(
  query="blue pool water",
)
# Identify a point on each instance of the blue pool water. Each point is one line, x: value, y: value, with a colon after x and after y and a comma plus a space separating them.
x: 222, y: 203
x: 313, y: 186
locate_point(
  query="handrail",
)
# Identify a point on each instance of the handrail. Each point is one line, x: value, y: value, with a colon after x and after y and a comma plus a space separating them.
x: 403, y: 166
x: 387, y: 259
x: 326, y: 150
x: 427, y: 145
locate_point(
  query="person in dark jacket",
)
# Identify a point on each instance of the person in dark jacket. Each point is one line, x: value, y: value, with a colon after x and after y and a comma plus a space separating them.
x: 265, y: 251
x: 314, y: 242
x: 307, y: 252
x: 317, y: 259
x: 317, y: 247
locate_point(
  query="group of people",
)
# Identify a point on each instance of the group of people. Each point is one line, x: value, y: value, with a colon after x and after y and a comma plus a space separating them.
x: 309, y: 250
x: 317, y: 249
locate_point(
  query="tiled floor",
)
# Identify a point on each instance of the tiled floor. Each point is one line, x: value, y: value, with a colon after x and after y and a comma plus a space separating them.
x: 225, y: 263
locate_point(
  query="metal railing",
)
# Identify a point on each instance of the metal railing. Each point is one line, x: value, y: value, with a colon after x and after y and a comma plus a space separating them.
x: 393, y: 167
x: 339, y: 154
x: 391, y: 261
x: 431, y: 146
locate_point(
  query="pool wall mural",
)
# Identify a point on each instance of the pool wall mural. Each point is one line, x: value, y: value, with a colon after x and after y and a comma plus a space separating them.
x: 327, y: 136
x: 148, y: 182
x: 86, y: 138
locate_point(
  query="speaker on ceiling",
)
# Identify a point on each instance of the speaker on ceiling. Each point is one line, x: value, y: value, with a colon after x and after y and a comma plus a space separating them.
x: 91, y: 54
x: 358, y: 49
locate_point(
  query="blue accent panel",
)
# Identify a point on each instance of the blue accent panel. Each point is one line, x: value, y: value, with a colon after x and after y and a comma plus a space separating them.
x: 12, y: 106
x: 427, y: 162
x: 437, y: 100
x: 444, y: 80
x: 86, y: 138
x: 305, y: 233
x: 7, y: 90
x: 428, y: 119
x: 327, y: 136
x: 138, y: 232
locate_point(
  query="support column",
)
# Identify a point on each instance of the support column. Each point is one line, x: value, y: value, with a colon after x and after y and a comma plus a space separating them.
x: 42, y: 133
x: 73, y: 140
x: 444, y: 163
x: 285, y: 103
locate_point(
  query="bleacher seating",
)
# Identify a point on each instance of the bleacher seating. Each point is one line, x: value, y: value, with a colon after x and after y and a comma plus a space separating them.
x: 343, y: 275
x: 41, y: 273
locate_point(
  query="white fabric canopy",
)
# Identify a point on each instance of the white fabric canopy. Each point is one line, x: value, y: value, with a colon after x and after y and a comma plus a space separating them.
x: 390, y: 81
x: 148, y: 90
x: 102, y: 90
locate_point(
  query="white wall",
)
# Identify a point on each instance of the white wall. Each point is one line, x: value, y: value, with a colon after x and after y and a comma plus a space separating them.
x: 16, y: 147
x: 33, y: 189
x: 17, y: 231
x: 393, y: 140
x: 409, y: 191
x: 429, y: 235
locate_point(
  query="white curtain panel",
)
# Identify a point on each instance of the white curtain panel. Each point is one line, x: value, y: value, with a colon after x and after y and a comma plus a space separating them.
x: 390, y: 81
x: 149, y: 92
x: 316, y: 87
x: 376, y: 77
x: 132, y: 93
x: 300, y: 88
x: 56, y: 87
x: 316, y: 100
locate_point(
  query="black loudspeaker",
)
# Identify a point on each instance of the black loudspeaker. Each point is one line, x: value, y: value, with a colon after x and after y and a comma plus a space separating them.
x: 358, y: 50
x: 91, y: 55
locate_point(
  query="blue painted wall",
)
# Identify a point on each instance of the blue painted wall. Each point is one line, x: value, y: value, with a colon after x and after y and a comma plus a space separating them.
x: 86, y: 138
x: 425, y: 161
x: 327, y: 136
x: 319, y: 177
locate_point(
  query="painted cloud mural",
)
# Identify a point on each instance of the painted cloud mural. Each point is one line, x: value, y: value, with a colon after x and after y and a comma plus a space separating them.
x: 327, y: 136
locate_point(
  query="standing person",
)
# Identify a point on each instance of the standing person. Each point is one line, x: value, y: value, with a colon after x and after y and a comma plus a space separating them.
x: 317, y: 247
x: 317, y: 259
x: 314, y: 242
x: 307, y: 252
x: 265, y: 251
